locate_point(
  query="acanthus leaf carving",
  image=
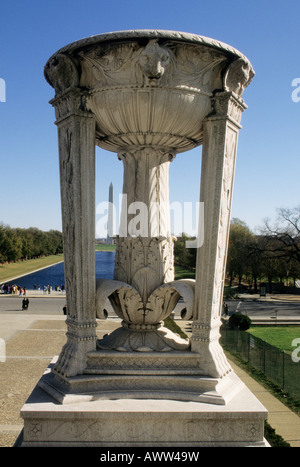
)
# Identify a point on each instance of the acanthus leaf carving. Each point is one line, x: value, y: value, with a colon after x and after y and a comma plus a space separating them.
x: 142, y: 326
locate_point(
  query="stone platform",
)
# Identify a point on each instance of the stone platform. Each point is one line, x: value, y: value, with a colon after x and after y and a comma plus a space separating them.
x: 143, y: 422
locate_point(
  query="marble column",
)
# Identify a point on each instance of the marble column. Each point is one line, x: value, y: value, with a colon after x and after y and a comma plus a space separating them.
x: 144, y: 256
x: 76, y: 137
x: 220, y: 138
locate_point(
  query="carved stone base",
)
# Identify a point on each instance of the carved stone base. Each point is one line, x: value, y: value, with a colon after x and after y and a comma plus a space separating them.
x: 159, y: 339
x: 141, y: 376
x: 148, y: 422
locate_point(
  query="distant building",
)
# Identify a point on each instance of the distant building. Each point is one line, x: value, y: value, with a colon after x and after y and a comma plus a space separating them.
x: 110, y: 221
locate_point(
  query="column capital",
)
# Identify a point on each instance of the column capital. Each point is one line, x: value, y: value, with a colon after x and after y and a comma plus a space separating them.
x: 72, y: 102
x: 146, y: 156
x: 227, y: 105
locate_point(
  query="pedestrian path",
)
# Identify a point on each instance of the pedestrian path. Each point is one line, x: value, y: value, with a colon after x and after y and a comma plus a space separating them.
x: 285, y: 422
x: 33, y: 340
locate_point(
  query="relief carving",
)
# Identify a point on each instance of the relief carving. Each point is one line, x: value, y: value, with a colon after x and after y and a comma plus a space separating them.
x: 62, y: 73
x: 238, y: 76
x: 156, y: 64
x: 153, y: 60
x: 144, y: 263
x: 142, y: 326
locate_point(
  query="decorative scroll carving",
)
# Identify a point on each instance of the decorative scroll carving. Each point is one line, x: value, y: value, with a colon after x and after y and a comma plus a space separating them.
x: 238, y: 76
x: 62, y: 73
x: 71, y: 102
x: 142, y: 325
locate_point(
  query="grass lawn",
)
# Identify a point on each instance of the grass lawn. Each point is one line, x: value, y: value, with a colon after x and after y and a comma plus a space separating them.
x: 278, y: 336
x: 20, y: 268
x: 181, y: 273
x: 104, y: 247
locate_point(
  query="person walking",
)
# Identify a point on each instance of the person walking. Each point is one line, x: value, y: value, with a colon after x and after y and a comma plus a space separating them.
x: 25, y: 303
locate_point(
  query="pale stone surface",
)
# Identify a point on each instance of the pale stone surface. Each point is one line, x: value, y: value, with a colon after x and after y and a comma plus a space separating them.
x: 151, y: 422
x: 145, y: 95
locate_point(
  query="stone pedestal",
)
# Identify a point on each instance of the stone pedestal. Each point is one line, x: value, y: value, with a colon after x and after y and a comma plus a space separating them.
x: 146, y: 96
x: 126, y: 422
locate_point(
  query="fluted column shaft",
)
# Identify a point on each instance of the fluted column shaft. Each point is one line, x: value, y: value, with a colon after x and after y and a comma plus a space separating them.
x: 217, y: 174
x: 144, y: 256
x: 76, y: 136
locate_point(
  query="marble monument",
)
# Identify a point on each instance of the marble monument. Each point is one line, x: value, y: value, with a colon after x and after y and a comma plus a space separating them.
x: 145, y: 95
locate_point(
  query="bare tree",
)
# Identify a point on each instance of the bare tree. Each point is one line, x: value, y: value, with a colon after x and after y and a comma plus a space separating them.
x: 283, y: 238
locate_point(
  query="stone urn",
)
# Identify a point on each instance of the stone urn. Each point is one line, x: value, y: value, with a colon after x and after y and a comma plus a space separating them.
x: 145, y: 95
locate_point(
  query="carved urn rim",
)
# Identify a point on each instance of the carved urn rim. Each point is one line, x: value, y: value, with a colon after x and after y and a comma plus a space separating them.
x: 164, y: 79
x: 177, y: 36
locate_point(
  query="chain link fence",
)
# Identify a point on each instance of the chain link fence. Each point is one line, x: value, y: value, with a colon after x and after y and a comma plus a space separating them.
x: 278, y: 366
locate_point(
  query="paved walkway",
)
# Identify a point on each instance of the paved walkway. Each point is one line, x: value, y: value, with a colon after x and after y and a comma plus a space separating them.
x: 31, y: 341
x: 285, y: 422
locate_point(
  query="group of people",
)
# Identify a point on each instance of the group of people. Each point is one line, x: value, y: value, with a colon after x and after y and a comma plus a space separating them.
x: 13, y: 289
x: 48, y: 288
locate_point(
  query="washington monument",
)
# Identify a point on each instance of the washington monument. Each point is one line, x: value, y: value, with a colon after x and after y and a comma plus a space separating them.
x: 110, y: 226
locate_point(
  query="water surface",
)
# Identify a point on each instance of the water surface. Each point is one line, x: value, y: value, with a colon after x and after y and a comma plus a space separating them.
x: 54, y: 275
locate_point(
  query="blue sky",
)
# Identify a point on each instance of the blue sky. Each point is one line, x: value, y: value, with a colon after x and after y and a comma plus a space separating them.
x: 268, y: 162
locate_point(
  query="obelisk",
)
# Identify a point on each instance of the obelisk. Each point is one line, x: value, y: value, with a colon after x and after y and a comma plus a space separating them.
x: 110, y: 222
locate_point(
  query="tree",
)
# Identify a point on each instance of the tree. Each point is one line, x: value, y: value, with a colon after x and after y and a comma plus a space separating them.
x: 10, y: 244
x: 293, y: 270
x: 184, y: 257
x: 240, y: 240
x: 284, y: 236
x: 281, y: 249
x: 18, y: 244
x: 255, y: 261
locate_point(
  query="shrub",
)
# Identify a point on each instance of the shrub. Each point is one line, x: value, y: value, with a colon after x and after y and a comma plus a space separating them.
x: 239, y: 321
x: 230, y: 292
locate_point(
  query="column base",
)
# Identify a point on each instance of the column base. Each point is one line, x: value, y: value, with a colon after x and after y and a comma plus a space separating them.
x: 144, y: 420
x: 138, y: 381
x: 158, y: 340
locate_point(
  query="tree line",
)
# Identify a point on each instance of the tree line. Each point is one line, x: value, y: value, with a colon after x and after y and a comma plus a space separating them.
x: 18, y: 244
x: 271, y: 255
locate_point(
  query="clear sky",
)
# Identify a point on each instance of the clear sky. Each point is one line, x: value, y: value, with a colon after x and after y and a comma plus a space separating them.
x: 268, y: 162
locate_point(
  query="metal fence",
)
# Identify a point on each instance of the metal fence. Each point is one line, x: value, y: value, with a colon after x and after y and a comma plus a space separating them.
x: 278, y: 366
